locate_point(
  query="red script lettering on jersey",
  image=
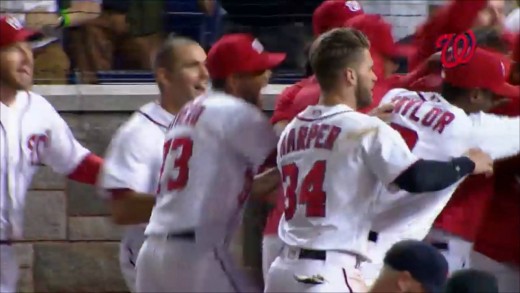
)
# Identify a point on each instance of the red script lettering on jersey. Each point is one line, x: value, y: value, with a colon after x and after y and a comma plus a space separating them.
x: 34, y: 143
x: 317, y: 135
x: 180, y: 151
x: 436, y: 118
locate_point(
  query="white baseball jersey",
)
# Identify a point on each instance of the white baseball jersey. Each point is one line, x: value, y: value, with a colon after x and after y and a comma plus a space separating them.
x: 331, y: 160
x: 215, y: 146
x: 133, y: 161
x: 32, y: 134
x: 436, y: 130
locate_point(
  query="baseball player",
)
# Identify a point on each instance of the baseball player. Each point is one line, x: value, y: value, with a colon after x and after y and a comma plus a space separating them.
x: 133, y: 160
x: 497, y: 243
x: 328, y: 15
x: 328, y: 147
x: 442, y: 126
x: 412, y: 266
x: 32, y: 134
x: 213, y: 148
x: 284, y: 112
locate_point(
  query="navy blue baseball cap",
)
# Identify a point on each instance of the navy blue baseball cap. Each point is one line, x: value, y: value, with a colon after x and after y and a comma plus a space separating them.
x: 471, y: 281
x: 424, y: 262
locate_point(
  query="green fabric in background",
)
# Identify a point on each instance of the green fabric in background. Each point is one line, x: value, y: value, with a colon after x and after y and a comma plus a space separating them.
x: 145, y: 17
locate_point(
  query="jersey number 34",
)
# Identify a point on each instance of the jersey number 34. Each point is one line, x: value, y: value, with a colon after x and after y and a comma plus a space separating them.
x: 310, y: 193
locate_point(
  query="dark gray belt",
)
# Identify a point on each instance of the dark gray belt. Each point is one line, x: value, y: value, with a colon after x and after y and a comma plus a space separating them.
x: 186, y: 235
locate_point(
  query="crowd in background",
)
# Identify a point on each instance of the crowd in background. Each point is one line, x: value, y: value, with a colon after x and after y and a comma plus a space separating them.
x: 87, y: 38
x: 99, y: 36
x: 108, y: 40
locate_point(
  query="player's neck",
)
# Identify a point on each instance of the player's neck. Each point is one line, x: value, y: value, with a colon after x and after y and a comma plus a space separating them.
x: 7, y: 95
x: 459, y: 103
x: 334, y: 99
x: 170, y: 105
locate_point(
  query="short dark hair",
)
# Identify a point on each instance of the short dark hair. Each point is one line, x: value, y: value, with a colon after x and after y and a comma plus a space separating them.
x: 164, y: 56
x: 451, y: 92
x: 218, y: 84
x: 471, y: 280
x: 337, y: 49
x: 490, y: 38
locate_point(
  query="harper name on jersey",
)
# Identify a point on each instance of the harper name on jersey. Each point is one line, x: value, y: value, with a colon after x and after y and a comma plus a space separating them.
x: 316, y: 135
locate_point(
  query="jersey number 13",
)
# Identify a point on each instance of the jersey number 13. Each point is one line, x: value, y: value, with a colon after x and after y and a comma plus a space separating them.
x: 177, y: 178
x: 311, y: 190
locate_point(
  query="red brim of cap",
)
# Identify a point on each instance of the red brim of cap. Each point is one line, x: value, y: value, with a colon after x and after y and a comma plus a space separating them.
x: 24, y: 35
x: 27, y: 35
x: 507, y: 90
x: 400, y: 51
x: 271, y: 61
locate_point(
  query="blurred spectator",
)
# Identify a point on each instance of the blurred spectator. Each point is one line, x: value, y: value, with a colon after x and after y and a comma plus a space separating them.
x: 280, y: 25
x: 497, y: 244
x: 122, y: 37
x: 333, y: 14
x: 211, y: 26
x: 512, y: 22
x: 492, y: 15
x: 412, y: 266
x: 51, y: 64
x: 471, y: 281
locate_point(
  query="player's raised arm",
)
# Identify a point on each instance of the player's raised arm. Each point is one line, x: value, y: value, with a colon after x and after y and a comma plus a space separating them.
x: 390, y: 159
x: 65, y: 155
x: 496, y: 135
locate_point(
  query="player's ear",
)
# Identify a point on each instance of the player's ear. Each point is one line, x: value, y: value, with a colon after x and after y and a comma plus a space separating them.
x: 475, y: 95
x: 162, y: 75
x: 405, y: 282
x: 232, y: 83
x: 350, y: 76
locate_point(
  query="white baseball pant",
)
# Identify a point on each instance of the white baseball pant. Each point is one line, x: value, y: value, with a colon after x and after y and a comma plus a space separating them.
x: 508, y: 275
x: 271, y: 247
x: 290, y: 272
x: 127, y: 262
x: 176, y: 265
x: 370, y: 270
x: 456, y: 250
x: 9, y: 269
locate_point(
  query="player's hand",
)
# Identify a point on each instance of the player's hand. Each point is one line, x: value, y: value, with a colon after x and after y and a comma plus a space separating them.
x: 383, y: 112
x: 483, y: 162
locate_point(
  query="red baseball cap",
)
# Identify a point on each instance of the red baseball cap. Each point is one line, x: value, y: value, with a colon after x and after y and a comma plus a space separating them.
x: 516, y: 50
x: 333, y: 14
x: 379, y: 32
x: 485, y: 70
x: 240, y: 53
x: 12, y: 31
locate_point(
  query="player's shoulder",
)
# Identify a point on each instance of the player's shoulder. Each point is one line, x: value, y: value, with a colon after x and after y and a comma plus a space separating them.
x: 218, y: 99
x: 339, y: 115
x: 225, y: 107
x: 139, y: 129
x: 397, y: 92
x: 37, y: 101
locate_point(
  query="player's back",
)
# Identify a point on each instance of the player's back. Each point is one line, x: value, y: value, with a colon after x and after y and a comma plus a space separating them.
x: 205, y: 172
x: 434, y: 130
x: 328, y: 178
